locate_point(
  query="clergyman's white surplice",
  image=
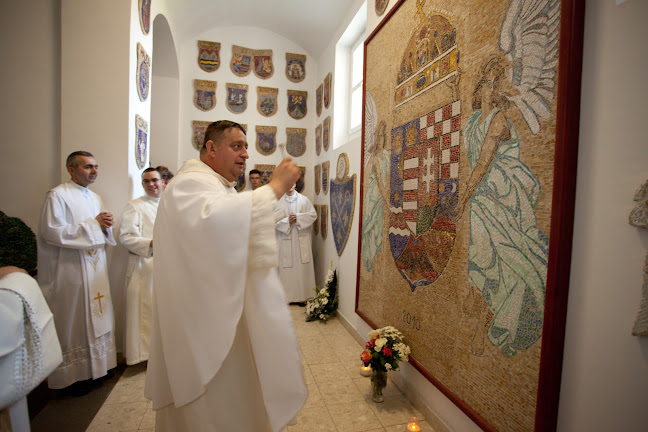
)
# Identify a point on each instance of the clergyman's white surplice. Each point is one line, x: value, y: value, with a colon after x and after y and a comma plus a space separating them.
x: 224, y: 353
x: 136, y: 233
x: 296, y: 269
x: 73, y: 275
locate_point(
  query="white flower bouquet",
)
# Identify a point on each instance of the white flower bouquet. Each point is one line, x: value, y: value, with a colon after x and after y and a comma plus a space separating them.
x: 325, y: 302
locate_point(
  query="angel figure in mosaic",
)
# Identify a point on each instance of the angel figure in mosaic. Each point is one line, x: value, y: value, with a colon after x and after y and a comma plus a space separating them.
x: 507, y: 255
x: 376, y: 160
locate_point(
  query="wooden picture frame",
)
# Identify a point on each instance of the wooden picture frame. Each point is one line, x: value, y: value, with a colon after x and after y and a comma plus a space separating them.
x: 428, y: 65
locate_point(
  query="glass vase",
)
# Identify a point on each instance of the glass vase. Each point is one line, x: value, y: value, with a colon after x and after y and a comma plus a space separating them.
x: 378, y: 384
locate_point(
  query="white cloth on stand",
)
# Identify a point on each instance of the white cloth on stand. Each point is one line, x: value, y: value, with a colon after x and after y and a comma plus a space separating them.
x: 73, y: 275
x: 136, y: 233
x: 296, y: 269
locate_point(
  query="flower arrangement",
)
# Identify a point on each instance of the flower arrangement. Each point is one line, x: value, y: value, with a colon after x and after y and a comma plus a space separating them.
x: 325, y: 302
x: 385, y: 349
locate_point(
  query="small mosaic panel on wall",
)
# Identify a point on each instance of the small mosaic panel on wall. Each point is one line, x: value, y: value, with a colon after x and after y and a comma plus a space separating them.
x: 144, y: 7
x: 240, y: 183
x: 316, y: 224
x: 327, y: 89
x: 241, y: 60
x: 204, y: 94
x: 301, y: 183
x: 318, y: 178
x: 208, y: 55
x: 267, y: 100
x: 266, y: 172
x: 326, y: 133
x: 263, y: 67
x: 380, y: 6
x: 297, y: 104
x: 143, y: 73
x: 198, y: 129
x: 141, y: 141
x: 295, y: 67
x: 324, y: 220
x: 295, y: 141
x: 266, y: 139
x: 325, y: 176
x: 318, y: 100
x: 343, y: 196
x: 318, y: 139
x: 462, y: 143
x: 237, y: 97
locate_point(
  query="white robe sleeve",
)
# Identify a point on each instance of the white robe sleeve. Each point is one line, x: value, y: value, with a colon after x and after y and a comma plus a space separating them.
x: 56, y: 231
x: 282, y: 225
x: 130, y: 234
x: 263, y: 242
x: 307, y: 215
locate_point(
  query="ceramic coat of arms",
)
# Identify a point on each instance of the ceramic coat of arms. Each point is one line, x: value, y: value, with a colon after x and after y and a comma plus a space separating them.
x: 327, y: 90
x: 266, y: 139
x: 301, y: 183
x: 144, y: 7
x: 324, y: 220
x: 316, y: 224
x: 318, y: 178
x: 325, y: 176
x: 241, y: 60
x: 240, y: 183
x: 380, y: 6
x: 237, y: 97
x: 266, y: 172
x: 263, y: 67
x: 267, y: 100
x: 318, y: 100
x: 343, y: 195
x: 141, y: 141
x: 143, y: 73
x: 204, y: 94
x: 198, y: 129
x: 295, y: 141
x: 297, y: 104
x: 326, y: 133
x: 208, y: 55
x: 318, y: 139
x: 295, y: 67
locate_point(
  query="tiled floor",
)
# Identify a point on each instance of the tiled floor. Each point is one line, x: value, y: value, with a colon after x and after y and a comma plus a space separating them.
x: 339, y: 397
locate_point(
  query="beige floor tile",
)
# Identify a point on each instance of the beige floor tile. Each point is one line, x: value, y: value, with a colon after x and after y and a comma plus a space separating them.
x: 314, y: 398
x: 353, y: 368
x: 348, y: 352
x: 327, y: 372
x: 130, y: 390
x: 394, y: 410
x: 364, y: 386
x: 313, y: 420
x: 307, y: 331
x: 339, y: 339
x: 118, y: 418
x: 308, y: 375
x: 319, y: 355
x: 340, y: 391
x: 135, y: 372
x: 148, y: 421
x: 314, y: 342
x: 425, y: 427
x: 353, y: 417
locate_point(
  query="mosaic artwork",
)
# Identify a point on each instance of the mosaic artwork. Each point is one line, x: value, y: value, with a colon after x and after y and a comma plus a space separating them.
x: 318, y: 100
x: 326, y: 133
x: 639, y: 218
x: 325, y: 176
x: 204, y: 94
x: 144, y: 7
x: 316, y: 224
x: 198, y: 129
x: 343, y: 196
x: 263, y: 67
x: 297, y: 104
x: 324, y: 220
x: 327, y: 90
x: 208, y: 55
x: 295, y: 67
x: 301, y: 183
x: 266, y: 172
x: 381, y: 5
x: 143, y: 73
x: 240, y: 183
x: 318, y: 178
x: 237, y: 97
x: 318, y: 139
x: 241, y: 60
x: 267, y: 100
x: 295, y: 141
x: 460, y: 141
x: 141, y: 141
x: 266, y: 139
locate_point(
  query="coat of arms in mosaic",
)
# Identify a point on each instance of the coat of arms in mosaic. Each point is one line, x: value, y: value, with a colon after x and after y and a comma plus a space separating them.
x: 266, y: 172
x: 326, y: 133
x: 141, y: 141
x: 208, y: 55
x: 204, y: 94
x: 318, y: 178
x: 381, y: 5
x: 267, y: 100
x: 327, y: 90
x: 318, y: 139
x: 316, y: 224
x: 295, y: 67
x: 324, y: 220
x: 318, y: 100
x: 240, y: 183
x: 237, y: 97
x: 198, y: 129
x: 144, y: 7
x: 297, y: 104
x: 266, y: 139
x: 295, y: 141
x: 143, y: 73
x: 343, y: 195
x: 241, y: 60
x: 301, y: 183
x: 325, y: 176
x: 263, y: 67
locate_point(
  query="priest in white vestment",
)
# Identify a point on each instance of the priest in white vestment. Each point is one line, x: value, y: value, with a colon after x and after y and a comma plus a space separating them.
x: 73, y: 231
x: 295, y: 254
x: 136, y: 234
x: 224, y: 353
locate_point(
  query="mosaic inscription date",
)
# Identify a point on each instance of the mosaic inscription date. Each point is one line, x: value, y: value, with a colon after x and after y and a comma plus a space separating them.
x: 411, y: 320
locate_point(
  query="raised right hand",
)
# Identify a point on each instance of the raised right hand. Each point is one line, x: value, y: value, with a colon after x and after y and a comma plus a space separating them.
x: 284, y: 176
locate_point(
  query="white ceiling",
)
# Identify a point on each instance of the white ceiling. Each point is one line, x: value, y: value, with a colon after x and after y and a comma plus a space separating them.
x: 309, y: 23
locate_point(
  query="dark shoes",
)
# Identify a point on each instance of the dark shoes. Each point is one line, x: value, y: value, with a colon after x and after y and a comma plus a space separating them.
x: 78, y: 389
x: 300, y: 304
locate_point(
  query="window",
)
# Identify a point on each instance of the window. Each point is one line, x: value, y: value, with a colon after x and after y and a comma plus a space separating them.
x: 355, y: 91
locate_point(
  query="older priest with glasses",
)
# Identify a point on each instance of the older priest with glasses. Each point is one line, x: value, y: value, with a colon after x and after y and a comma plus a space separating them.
x: 224, y: 353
